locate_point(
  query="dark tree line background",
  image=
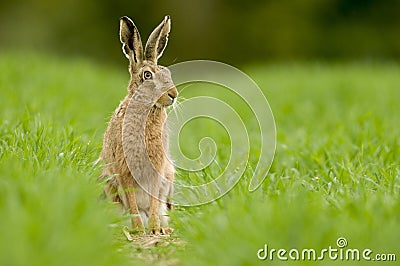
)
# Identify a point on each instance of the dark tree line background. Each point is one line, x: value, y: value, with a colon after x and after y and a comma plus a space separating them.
x: 233, y: 31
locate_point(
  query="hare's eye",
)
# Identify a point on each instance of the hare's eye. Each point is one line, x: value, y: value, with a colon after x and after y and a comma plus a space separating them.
x: 147, y: 75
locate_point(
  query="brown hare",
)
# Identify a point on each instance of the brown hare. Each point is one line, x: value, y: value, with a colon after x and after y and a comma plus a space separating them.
x: 140, y: 176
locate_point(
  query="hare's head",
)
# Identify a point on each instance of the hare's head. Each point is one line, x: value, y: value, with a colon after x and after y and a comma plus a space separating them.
x: 143, y: 63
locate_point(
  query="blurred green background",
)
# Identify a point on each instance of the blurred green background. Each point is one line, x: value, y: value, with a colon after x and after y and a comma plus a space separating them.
x: 236, y: 32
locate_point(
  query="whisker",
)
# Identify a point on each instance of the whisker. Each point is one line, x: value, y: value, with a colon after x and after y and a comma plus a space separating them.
x: 179, y: 110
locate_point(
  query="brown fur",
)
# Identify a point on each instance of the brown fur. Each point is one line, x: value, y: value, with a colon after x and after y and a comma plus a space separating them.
x: 142, y: 126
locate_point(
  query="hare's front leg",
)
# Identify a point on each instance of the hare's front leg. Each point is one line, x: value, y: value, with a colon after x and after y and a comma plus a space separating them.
x: 161, y: 202
x: 136, y: 220
x: 154, y: 219
x: 169, y: 175
x: 166, y: 198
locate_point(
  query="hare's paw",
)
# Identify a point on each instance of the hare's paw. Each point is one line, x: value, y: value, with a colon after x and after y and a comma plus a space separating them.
x: 137, y: 225
x: 166, y: 230
x: 154, y: 225
x: 162, y: 231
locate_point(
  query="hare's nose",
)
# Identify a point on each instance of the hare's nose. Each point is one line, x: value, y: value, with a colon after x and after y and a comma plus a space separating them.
x: 172, y: 94
x: 172, y: 97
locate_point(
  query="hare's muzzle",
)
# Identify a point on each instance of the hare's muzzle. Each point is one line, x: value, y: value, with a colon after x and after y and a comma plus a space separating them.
x: 168, y: 98
x: 172, y: 94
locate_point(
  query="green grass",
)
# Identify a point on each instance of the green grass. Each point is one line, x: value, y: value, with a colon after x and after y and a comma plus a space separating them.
x: 336, y: 171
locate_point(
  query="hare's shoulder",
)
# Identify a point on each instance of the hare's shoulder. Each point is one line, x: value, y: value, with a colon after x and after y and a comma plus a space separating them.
x: 113, y: 134
x: 119, y: 112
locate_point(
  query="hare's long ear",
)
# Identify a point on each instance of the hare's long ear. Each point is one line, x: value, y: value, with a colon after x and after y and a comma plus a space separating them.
x: 158, y: 41
x: 131, y: 43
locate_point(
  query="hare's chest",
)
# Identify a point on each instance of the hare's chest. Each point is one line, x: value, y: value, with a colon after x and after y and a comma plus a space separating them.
x: 155, y: 147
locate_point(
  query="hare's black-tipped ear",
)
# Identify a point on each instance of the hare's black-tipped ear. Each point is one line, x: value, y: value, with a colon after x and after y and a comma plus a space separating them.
x: 130, y: 38
x: 158, y: 41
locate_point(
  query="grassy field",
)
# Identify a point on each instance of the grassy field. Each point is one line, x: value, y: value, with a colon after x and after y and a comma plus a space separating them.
x: 336, y: 171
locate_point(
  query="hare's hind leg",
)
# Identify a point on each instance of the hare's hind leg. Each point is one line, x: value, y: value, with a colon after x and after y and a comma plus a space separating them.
x: 111, y: 191
x: 136, y: 220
